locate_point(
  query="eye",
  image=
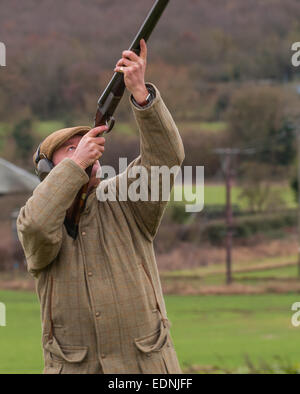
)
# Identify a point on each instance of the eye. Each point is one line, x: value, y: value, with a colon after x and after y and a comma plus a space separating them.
x: 70, y: 148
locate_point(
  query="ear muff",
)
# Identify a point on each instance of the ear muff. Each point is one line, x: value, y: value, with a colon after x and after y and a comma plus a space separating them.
x: 43, y: 165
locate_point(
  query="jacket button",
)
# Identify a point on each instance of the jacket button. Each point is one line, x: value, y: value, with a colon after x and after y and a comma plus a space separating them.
x: 103, y: 355
x: 90, y: 273
x: 148, y: 354
x: 83, y: 233
x: 97, y: 314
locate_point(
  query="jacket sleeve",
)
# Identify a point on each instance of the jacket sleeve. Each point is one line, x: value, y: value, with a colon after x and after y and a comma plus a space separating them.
x: 40, y: 221
x: 160, y: 145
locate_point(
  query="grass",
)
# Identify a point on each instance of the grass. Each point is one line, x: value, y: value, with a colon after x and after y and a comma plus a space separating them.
x: 202, y: 126
x: 125, y: 128
x: 44, y: 128
x: 246, y: 273
x: 266, y: 275
x: 223, y: 331
x: 255, y: 277
x: 284, y: 272
x: 207, y: 330
x: 263, y: 265
x: 215, y: 194
x: 20, y: 339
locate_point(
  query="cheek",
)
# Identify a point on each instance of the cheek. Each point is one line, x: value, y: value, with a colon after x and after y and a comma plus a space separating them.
x: 59, y: 156
x: 56, y: 158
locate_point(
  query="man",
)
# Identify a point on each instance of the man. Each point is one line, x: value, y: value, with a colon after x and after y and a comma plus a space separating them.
x: 102, y: 306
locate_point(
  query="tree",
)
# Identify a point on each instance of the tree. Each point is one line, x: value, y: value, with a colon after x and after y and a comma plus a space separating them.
x: 23, y: 138
x: 258, y: 120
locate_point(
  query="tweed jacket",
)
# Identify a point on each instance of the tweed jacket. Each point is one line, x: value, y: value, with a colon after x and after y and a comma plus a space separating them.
x: 102, y: 307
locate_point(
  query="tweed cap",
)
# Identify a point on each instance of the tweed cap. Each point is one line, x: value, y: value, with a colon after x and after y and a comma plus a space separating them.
x: 57, y: 138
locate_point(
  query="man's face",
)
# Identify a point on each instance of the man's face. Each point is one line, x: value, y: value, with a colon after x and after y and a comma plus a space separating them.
x: 67, y: 149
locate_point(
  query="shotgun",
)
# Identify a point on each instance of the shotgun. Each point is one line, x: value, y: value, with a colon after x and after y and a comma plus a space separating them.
x: 107, y: 104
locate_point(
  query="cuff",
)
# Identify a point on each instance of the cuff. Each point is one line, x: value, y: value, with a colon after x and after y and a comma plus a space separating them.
x: 75, y: 168
x: 151, y: 89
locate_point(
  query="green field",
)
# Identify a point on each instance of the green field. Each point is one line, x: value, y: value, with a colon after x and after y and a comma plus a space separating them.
x: 43, y: 128
x: 214, y: 194
x: 207, y: 331
x: 212, y: 127
x: 252, y: 271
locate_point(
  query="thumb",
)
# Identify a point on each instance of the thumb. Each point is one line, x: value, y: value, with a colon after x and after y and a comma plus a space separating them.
x: 143, y: 46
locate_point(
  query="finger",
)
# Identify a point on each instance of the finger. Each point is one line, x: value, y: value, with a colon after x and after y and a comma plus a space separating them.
x: 127, y: 71
x: 131, y: 56
x: 98, y: 140
x: 97, y: 130
x: 99, y: 151
x: 144, y: 49
x: 124, y: 62
x: 97, y: 148
x: 119, y: 69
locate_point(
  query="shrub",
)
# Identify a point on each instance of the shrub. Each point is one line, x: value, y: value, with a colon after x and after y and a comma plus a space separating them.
x: 246, y: 226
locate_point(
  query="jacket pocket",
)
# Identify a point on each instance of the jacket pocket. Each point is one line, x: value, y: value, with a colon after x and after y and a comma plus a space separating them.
x: 155, y: 341
x: 149, y: 350
x: 71, y: 354
x: 53, y: 368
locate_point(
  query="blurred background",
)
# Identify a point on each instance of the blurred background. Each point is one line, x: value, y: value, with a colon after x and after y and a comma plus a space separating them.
x: 230, y: 273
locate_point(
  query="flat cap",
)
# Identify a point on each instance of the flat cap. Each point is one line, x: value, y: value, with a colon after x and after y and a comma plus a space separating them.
x: 56, y: 139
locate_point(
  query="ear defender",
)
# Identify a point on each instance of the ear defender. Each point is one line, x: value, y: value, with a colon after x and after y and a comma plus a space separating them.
x: 43, y: 165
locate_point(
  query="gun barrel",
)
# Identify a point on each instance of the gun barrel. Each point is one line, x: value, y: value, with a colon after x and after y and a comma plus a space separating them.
x: 107, y: 104
x: 144, y: 32
x: 149, y: 24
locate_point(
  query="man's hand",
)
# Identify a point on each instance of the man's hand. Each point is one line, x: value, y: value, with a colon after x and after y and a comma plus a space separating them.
x: 134, y: 67
x: 90, y: 147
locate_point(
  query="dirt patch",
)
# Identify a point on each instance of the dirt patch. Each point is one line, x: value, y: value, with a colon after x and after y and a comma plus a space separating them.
x: 184, y: 288
x: 18, y: 284
x: 189, y: 256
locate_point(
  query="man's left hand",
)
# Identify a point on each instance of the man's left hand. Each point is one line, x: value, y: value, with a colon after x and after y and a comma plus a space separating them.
x: 133, y: 67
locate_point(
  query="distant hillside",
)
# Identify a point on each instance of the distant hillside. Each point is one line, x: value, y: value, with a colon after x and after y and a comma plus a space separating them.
x: 60, y: 53
x: 210, y: 32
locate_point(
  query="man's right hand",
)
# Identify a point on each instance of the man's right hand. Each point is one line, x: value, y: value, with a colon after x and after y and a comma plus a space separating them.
x: 90, y: 147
